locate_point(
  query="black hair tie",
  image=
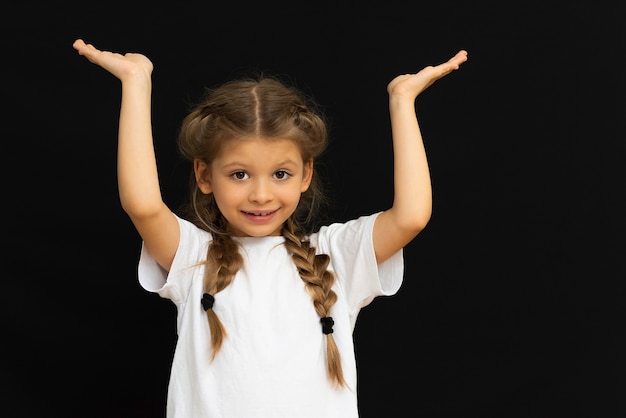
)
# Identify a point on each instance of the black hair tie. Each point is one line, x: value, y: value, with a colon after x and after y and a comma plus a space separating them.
x: 327, y: 324
x: 207, y: 301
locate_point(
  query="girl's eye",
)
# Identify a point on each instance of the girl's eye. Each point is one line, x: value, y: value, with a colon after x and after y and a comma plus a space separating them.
x: 239, y: 175
x: 281, y: 175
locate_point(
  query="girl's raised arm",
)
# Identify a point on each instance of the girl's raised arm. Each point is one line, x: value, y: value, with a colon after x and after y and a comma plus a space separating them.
x: 412, y: 203
x: 138, y: 180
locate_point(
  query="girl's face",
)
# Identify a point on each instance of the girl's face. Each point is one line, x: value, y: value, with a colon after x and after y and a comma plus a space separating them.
x: 256, y: 183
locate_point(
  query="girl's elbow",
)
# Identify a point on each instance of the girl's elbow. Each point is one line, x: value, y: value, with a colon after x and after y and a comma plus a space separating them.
x: 410, y: 228
x: 407, y: 223
x: 140, y: 210
x: 418, y: 223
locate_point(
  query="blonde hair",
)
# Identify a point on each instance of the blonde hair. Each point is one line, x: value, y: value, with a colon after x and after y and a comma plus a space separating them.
x: 261, y: 106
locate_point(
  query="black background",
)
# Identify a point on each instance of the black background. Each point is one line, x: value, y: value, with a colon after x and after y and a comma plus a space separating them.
x: 512, y: 304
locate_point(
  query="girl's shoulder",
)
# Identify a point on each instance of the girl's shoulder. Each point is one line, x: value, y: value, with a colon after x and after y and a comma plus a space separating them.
x: 353, y: 230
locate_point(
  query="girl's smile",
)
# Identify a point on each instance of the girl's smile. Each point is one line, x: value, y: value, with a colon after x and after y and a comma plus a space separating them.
x: 259, y: 216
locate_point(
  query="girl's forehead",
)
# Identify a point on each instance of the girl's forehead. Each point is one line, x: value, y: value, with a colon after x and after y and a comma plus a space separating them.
x: 255, y: 148
x: 260, y: 142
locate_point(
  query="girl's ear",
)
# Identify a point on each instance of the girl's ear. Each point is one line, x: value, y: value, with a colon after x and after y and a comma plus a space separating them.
x: 203, y: 176
x: 307, y: 176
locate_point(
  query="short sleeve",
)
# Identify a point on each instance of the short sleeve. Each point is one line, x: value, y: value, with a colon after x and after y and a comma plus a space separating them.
x: 175, y: 284
x: 352, y: 259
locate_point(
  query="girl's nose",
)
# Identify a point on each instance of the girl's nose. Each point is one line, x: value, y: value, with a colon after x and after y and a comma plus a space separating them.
x: 261, y: 191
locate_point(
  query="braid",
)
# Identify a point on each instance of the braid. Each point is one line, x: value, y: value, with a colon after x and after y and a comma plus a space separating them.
x: 318, y: 281
x: 223, y: 261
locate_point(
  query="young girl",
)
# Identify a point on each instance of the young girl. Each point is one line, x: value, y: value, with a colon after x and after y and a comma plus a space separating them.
x: 266, y: 308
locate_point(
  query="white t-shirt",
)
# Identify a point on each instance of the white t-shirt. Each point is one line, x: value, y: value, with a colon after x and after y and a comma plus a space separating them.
x: 273, y: 360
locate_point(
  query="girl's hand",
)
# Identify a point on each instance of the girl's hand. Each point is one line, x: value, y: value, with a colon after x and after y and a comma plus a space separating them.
x: 121, y: 66
x: 411, y: 85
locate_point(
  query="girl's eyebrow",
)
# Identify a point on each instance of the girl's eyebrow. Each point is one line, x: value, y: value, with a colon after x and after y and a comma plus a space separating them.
x: 285, y: 162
